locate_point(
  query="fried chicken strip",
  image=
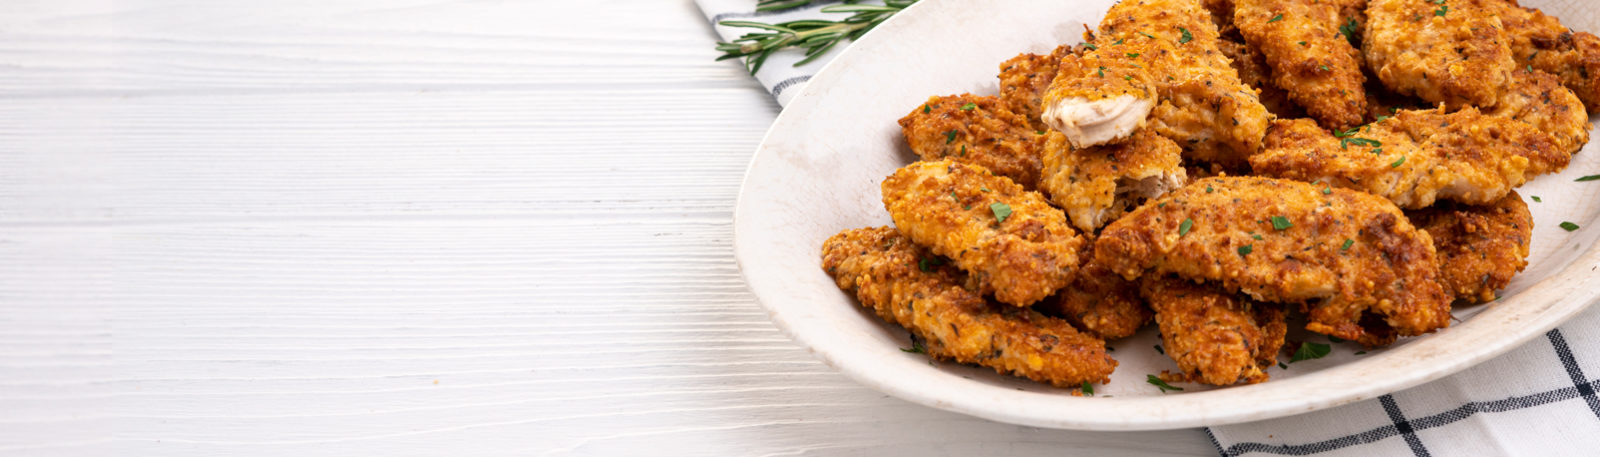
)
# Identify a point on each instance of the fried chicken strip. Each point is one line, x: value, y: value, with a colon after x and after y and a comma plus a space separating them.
x: 1538, y: 99
x: 1453, y: 53
x: 1415, y: 157
x: 1024, y: 80
x: 1309, y: 57
x: 1254, y: 72
x: 1480, y: 247
x: 978, y: 130
x: 1097, y: 184
x: 893, y: 277
x: 1347, y: 255
x: 1104, y: 94
x: 1540, y: 41
x: 1008, y: 238
x: 1216, y: 337
x: 1100, y: 302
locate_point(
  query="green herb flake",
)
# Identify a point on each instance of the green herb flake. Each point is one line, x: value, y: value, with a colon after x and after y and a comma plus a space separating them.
x: 1283, y: 365
x: 1347, y: 243
x: 1087, y: 389
x: 969, y: 106
x: 963, y: 150
x: 1397, y: 163
x: 926, y: 109
x: 1183, y: 229
x: 1327, y: 190
x: 1536, y: 199
x: 1001, y: 211
x: 1119, y: 42
x: 1186, y: 36
x: 1161, y: 351
x: 1349, y: 31
x: 1146, y: 35
x: 927, y: 264
x: 1309, y: 350
x: 1156, y: 381
x: 1302, y: 43
x: 1128, y: 77
x: 1101, y: 71
x: 1277, y: 18
x: 1443, y: 9
x: 1587, y: 178
x: 1091, y: 46
x: 950, y: 136
x: 1256, y: 236
x: 916, y: 348
x: 1323, y: 67
x: 1133, y: 55
x: 1246, y: 249
x: 1210, y: 190
x: 1568, y: 226
x: 1281, y: 223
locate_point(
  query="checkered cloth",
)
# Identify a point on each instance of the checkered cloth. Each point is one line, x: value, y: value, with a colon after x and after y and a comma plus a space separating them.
x: 1537, y: 400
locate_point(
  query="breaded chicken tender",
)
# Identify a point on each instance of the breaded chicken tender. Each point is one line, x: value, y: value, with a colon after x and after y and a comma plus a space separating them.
x: 978, y: 130
x: 1453, y: 53
x: 1415, y: 157
x: 1309, y: 57
x: 1100, y: 302
x: 1346, y: 255
x: 1480, y: 247
x: 1097, y: 184
x: 1216, y: 337
x: 899, y: 281
x: 1540, y: 41
x: 1024, y: 79
x: 1009, y: 239
x: 1538, y: 99
x: 1204, y: 106
x: 1104, y: 94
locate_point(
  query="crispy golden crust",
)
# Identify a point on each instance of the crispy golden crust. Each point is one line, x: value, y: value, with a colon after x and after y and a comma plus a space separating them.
x: 950, y: 207
x: 1254, y: 72
x: 1538, y: 99
x: 1204, y: 106
x: 1453, y: 53
x: 1539, y: 40
x: 1216, y: 337
x: 885, y: 270
x: 1309, y: 57
x: 1388, y: 270
x: 1107, y: 71
x: 1418, y: 157
x: 988, y: 134
x: 1480, y: 247
x: 1100, y: 302
x: 1097, y: 184
x: 1025, y: 78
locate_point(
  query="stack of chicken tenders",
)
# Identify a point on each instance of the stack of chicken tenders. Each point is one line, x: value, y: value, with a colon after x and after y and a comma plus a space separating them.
x: 1216, y: 165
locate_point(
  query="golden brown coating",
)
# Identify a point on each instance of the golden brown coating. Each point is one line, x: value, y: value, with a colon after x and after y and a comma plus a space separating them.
x: 900, y: 281
x: 1480, y: 247
x: 1254, y: 72
x: 1540, y: 41
x: 1346, y: 254
x: 1309, y: 57
x: 1008, y: 238
x: 1453, y: 53
x: 1216, y: 337
x: 978, y: 130
x: 1539, y: 100
x: 1024, y: 79
x: 1414, y: 157
x: 1105, y: 93
x: 1204, y: 106
x: 1097, y: 184
x: 1100, y: 302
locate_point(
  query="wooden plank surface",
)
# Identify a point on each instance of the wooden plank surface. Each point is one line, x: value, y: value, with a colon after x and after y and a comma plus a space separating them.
x: 384, y: 227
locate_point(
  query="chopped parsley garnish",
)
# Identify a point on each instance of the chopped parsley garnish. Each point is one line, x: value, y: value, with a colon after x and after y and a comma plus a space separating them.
x: 1283, y: 365
x: 1327, y: 190
x: 985, y: 189
x: 1132, y: 55
x: 1347, y: 243
x: 1323, y: 67
x: 969, y: 106
x: 1186, y: 36
x: 1277, y: 18
x: 1001, y: 211
x: 1119, y: 41
x: 1127, y: 77
x: 1381, y: 119
x: 1087, y: 389
x: 953, y: 196
x: 1587, y: 178
x: 950, y: 136
x: 1210, y: 190
x: 1183, y: 229
x: 963, y: 150
x: 1161, y: 351
x: 1281, y: 223
x: 1256, y: 236
x: 926, y: 109
x: 1536, y: 199
x: 1345, y: 143
x: 1568, y: 226
x: 1146, y: 35
x: 927, y: 264
x: 1091, y: 46
x: 1156, y: 381
x: 1530, y: 68
x: 1397, y: 163
x: 1349, y: 31
x: 1443, y: 9
x: 1302, y: 43
x: 1309, y: 350
x: 1101, y: 72
x: 1245, y: 250
x: 916, y: 348
x: 1339, y: 134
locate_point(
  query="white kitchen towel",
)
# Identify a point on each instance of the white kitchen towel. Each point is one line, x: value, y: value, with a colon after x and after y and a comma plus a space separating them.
x: 1538, y: 400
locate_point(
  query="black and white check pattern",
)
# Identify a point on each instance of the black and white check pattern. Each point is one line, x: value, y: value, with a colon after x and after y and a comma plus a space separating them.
x: 1538, y: 400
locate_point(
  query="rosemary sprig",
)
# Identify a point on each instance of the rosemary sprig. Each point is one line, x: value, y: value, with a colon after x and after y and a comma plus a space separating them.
x: 774, y: 5
x: 816, y: 36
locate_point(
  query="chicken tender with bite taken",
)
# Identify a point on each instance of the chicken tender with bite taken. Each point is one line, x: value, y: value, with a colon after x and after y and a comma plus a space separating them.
x: 978, y: 130
x: 1098, y: 184
x: 1215, y: 337
x: 1100, y: 302
x: 1009, y: 239
x: 1480, y: 247
x: 902, y: 283
x: 1352, y: 258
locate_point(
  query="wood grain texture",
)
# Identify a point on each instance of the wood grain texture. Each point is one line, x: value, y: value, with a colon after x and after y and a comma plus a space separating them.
x: 405, y: 228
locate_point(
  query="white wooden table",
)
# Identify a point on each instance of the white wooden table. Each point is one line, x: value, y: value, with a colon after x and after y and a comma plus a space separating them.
x: 403, y: 227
